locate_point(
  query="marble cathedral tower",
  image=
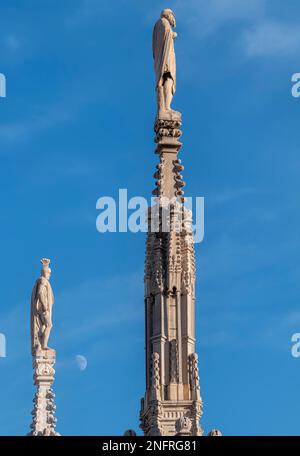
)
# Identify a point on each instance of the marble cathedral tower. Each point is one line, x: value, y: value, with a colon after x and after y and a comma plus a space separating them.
x: 172, y: 403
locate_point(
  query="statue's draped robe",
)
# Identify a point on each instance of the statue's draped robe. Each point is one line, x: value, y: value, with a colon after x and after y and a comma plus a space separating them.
x: 163, y: 52
x: 36, y: 307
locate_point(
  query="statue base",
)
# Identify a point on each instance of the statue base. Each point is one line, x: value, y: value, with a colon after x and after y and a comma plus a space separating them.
x: 43, y: 419
x: 167, y: 129
x: 169, y: 115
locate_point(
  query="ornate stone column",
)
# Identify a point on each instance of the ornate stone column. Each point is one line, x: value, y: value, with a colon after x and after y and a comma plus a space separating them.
x: 43, y: 419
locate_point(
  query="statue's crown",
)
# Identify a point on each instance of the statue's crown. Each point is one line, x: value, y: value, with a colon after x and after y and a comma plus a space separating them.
x: 45, y: 265
x: 45, y: 262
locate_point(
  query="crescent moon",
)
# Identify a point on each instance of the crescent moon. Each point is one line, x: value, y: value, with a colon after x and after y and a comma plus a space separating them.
x: 81, y: 362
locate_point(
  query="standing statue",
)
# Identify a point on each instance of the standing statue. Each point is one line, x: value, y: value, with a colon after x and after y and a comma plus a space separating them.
x: 41, y: 309
x: 164, y: 61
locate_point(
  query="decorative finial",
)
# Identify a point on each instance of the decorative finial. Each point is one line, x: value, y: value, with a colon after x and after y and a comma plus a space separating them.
x: 215, y: 433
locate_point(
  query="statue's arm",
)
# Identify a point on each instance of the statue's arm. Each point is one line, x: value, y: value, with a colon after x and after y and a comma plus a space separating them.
x: 42, y: 295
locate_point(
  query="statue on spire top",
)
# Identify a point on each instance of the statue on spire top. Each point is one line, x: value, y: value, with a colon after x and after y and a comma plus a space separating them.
x: 165, y: 62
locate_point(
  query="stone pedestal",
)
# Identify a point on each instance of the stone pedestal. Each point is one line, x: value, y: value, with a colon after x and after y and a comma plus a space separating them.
x: 43, y: 419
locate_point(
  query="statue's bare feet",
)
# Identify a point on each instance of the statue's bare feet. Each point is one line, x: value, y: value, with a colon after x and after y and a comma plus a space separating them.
x: 168, y: 114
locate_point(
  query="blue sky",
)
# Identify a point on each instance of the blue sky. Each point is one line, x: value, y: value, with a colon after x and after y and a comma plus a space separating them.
x: 77, y: 125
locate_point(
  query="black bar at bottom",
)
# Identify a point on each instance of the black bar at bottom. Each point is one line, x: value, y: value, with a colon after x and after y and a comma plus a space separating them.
x: 142, y: 445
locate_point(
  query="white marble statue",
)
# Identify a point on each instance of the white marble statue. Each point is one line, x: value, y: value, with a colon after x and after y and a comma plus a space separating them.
x: 164, y: 60
x: 41, y: 309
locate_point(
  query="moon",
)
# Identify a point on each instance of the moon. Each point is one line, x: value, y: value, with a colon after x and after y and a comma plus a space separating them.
x: 81, y: 362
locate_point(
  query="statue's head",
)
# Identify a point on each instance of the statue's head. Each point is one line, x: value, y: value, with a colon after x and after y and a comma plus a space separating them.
x: 195, y: 356
x: 169, y: 15
x: 46, y: 271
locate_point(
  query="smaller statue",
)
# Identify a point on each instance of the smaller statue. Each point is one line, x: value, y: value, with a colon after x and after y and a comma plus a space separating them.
x: 41, y: 309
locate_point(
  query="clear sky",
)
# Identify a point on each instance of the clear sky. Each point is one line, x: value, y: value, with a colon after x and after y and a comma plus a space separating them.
x: 76, y: 125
